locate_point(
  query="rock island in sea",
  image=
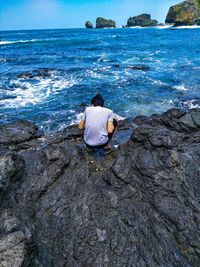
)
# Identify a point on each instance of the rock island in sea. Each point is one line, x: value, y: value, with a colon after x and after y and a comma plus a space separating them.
x: 105, y: 23
x: 184, y: 13
x: 143, y: 20
x: 138, y: 206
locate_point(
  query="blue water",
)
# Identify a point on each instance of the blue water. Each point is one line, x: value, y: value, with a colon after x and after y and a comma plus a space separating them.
x: 81, y: 63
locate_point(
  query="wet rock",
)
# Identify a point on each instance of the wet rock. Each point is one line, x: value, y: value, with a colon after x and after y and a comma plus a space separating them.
x: 115, y: 66
x: 138, y: 206
x: 82, y: 107
x: 144, y: 68
x: 185, y: 13
x: 143, y: 20
x: 89, y: 25
x: 105, y: 23
x: 41, y: 72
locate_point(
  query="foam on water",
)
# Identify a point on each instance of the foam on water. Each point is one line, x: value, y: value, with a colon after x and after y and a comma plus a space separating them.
x: 181, y: 87
x: 164, y: 27
x: 187, y: 27
x: 17, y: 42
x: 75, y: 64
x: 25, y: 93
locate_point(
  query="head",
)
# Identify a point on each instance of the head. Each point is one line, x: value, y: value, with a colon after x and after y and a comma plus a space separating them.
x: 97, y: 100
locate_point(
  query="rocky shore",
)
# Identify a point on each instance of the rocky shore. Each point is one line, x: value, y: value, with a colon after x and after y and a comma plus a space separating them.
x: 138, y: 206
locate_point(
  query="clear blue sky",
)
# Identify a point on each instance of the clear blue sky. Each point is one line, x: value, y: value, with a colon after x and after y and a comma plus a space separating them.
x: 50, y: 14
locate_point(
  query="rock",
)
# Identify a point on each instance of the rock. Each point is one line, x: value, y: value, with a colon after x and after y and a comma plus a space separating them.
x: 137, y: 206
x: 105, y: 23
x: 143, y: 20
x: 11, y: 166
x: 89, y: 25
x: 144, y: 68
x: 18, y: 132
x: 12, y: 250
x: 41, y: 72
x: 81, y: 108
x: 185, y: 13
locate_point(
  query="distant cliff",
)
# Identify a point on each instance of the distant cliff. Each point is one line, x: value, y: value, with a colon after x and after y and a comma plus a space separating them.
x: 185, y: 13
x: 105, y: 23
x: 143, y: 20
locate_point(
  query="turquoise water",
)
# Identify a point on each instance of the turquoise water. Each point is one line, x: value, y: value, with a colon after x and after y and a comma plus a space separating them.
x: 69, y: 67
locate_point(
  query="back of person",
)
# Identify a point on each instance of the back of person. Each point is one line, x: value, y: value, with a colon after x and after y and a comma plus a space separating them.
x: 99, y: 124
x: 96, y: 119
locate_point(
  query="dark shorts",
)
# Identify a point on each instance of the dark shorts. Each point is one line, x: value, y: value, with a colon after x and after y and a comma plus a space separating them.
x: 115, y: 123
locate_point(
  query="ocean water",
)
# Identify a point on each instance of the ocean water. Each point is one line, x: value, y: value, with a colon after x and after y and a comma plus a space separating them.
x: 46, y: 74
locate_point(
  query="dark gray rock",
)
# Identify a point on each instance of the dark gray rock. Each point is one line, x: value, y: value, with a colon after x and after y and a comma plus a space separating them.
x: 41, y: 72
x: 89, y: 25
x: 11, y: 167
x: 138, y: 206
x: 105, y: 23
x: 144, y: 68
x: 18, y: 132
x: 143, y: 20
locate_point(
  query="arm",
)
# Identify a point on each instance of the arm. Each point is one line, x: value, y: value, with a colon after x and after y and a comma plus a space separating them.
x: 110, y: 127
x: 81, y: 124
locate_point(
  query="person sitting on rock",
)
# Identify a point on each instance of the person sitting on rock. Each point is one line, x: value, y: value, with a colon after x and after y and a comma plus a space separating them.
x: 100, y: 125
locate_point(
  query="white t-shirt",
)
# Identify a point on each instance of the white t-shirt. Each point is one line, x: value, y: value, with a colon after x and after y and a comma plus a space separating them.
x: 96, y: 119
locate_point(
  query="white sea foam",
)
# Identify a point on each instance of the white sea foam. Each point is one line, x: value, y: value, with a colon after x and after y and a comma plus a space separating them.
x: 26, y: 93
x: 191, y: 104
x: 164, y: 27
x: 77, y: 119
x: 181, y: 87
x: 187, y: 27
x: 94, y: 74
x: 16, y: 42
x: 158, y: 82
x: 136, y: 27
x: 63, y: 84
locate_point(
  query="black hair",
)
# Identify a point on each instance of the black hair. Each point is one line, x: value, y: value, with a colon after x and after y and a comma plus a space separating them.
x: 97, y: 100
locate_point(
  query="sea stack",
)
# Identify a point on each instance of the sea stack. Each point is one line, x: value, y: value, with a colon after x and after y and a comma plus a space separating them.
x: 105, y: 23
x: 89, y: 25
x: 143, y: 20
x: 185, y: 13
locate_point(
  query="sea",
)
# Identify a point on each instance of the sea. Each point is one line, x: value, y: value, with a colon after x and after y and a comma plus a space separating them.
x: 46, y: 75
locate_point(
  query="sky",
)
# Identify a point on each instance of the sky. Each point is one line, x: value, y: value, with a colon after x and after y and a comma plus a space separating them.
x: 57, y: 14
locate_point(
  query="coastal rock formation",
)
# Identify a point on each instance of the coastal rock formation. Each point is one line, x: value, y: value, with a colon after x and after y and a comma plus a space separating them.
x: 185, y: 13
x: 41, y: 72
x: 89, y: 25
x: 143, y: 20
x: 105, y: 23
x: 138, y: 206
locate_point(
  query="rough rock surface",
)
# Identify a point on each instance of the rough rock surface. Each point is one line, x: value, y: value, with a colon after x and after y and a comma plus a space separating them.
x: 185, y: 13
x: 105, y: 23
x: 138, y: 206
x: 41, y: 72
x: 143, y: 20
x: 89, y: 25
